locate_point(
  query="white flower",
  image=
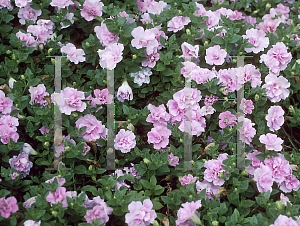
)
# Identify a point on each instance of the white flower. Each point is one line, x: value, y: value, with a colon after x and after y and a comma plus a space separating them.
x: 142, y: 76
x: 124, y: 92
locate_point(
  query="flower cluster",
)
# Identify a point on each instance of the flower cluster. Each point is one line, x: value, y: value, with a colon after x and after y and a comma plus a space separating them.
x: 213, y: 168
x: 8, y: 206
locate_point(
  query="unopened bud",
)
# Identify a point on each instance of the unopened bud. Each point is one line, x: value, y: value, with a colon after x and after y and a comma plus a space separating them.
x: 22, y: 77
x: 147, y: 22
x: 75, y: 114
x: 134, y: 56
x: 256, y: 97
x: 146, y: 161
x: 8, y: 51
x: 13, y: 56
x: 53, y: 61
x: 268, y: 6
x: 221, y: 175
x: 215, y: 223
x: 175, y: 4
x: 279, y: 205
x: 180, y: 12
x: 68, y: 148
x: 41, y: 46
x: 21, y: 117
x: 298, y: 61
x: 46, y: 144
x: 188, y: 31
x: 155, y: 223
x: 116, y: 161
x: 255, y: 12
x: 181, y: 140
x: 234, y: 61
x: 87, y: 44
x: 50, y: 50
x: 90, y: 168
x: 206, y: 43
x: 93, y: 178
x: 54, y: 213
x: 244, y: 172
x: 291, y: 109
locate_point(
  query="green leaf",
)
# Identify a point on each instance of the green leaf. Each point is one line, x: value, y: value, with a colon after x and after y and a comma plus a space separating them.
x: 157, y: 205
x: 235, y: 216
x: 160, y: 67
x: 234, y: 38
x: 33, y: 82
x: 128, y: 29
x: 146, y: 184
x: 218, y: 40
x: 153, y: 181
x: 42, y: 162
x: 8, y: 17
x: 80, y: 169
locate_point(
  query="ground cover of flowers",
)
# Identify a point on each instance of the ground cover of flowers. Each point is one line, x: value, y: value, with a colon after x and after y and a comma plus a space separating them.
x: 176, y: 78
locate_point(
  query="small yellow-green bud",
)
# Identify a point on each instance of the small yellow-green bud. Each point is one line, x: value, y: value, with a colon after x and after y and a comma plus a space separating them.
x: 147, y: 22
x: 256, y: 97
x: 230, y: 129
x: 68, y: 148
x: 8, y: 51
x: 221, y: 175
x: 180, y: 12
x: 41, y: 46
x: 146, y: 161
x: 190, y: 196
x: 188, y: 31
x: 46, y: 144
x: 50, y: 50
x: 18, y: 61
x: 87, y: 44
x: 279, y: 205
x: 215, y: 223
x: 206, y: 43
x: 240, y: 53
x: 59, y: 175
x: 21, y: 117
x: 155, y: 223
x: 291, y: 109
x: 298, y: 61
x: 245, y: 172
x: 128, y: 120
x: 54, y: 213
x: 134, y: 56
x: 90, y: 168
x: 116, y: 161
x: 234, y: 61
x: 181, y: 140
x: 13, y: 56
x: 288, y: 213
x: 57, y: 17
x: 104, y: 81
x: 75, y: 114
x: 93, y: 178
x: 175, y: 4
x: 268, y: 6
x: 120, y: 31
x: 53, y: 61
x: 292, y: 73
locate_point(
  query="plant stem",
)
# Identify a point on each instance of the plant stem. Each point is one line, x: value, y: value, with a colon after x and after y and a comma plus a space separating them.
x: 289, y: 138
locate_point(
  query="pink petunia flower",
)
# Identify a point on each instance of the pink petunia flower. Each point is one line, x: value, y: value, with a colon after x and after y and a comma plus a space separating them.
x: 144, y: 38
x: 158, y: 115
x: 61, y: 181
x: 258, y: 39
x: 73, y: 54
x: 290, y: 183
x: 28, y: 13
x: 277, y: 58
x: 284, y: 221
x: 152, y: 57
x: 102, y: 97
x: 124, y: 92
x: 173, y: 160
x: 253, y: 75
x: 275, y: 118
x: 32, y: 223
x: 159, y: 136
x: 255, y: 161
x: 276, y: 88
x: 280, y: 167
x: 125, y: 141
x: 177, y: 23
x: 37, y: 94
x: 22, y: 3
x: 69, y: 100
x: 61, y: 3
x: 5, y: 103
x: 246, y: 106
x: 95, y: 130
x: 188, y: 214
x: 100, y: 209
x: 215, y: 55
x: 21, y: 163
x: 186, y: 180
x: 210, y: 188
x: 247, y: 132
x: 41, y: 32
x: 111, y: 55
x: 271, y: 141
x: 8, y: 206
x: 189, y: 51
x: 105, y: 36
x: 213, y: 168
x: 202, y: 75
x: 140, y: 214
x: 6, y: 3
x: 91, y: 8
x: 30, y: 41
x: 263, y: 177
x: 59, y: 196
x: 227, y: 118
x: 269, y: 25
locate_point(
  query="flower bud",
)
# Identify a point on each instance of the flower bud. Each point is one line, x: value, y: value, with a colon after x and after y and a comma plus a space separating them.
x: 134, y: 56
x: 99, y: 18
x: 188, y: 31
x: 13, y: 56
x: 90, y: 168
x: 116, y: 161
x: 147, y: 22
x: 244, y: 172
x: 298, y: 61
x: 75, y: 114
x: 21, y: 117
x: 181, y: 140
x: 46, y: 144
x: 130, y: 127
x: 53, y: 61
x: 215, y: 223
x: 87, y: 44
x: 221, y: 175
x: 146, y: 161
x: 175, y: 4
x: 206, y: 43
x: 93, y: 178
x: 279, y: 205
x: 8, y: 52
x: 180, y: 12
x: 155, y: 223
x: 41, y: 47
x: 50, y: 50
x: 291, y: 109
x: 256, y: 97
x: 268, y: 6
x: 234, y: 61
x: 54, y: 213
x: 255, y: 12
